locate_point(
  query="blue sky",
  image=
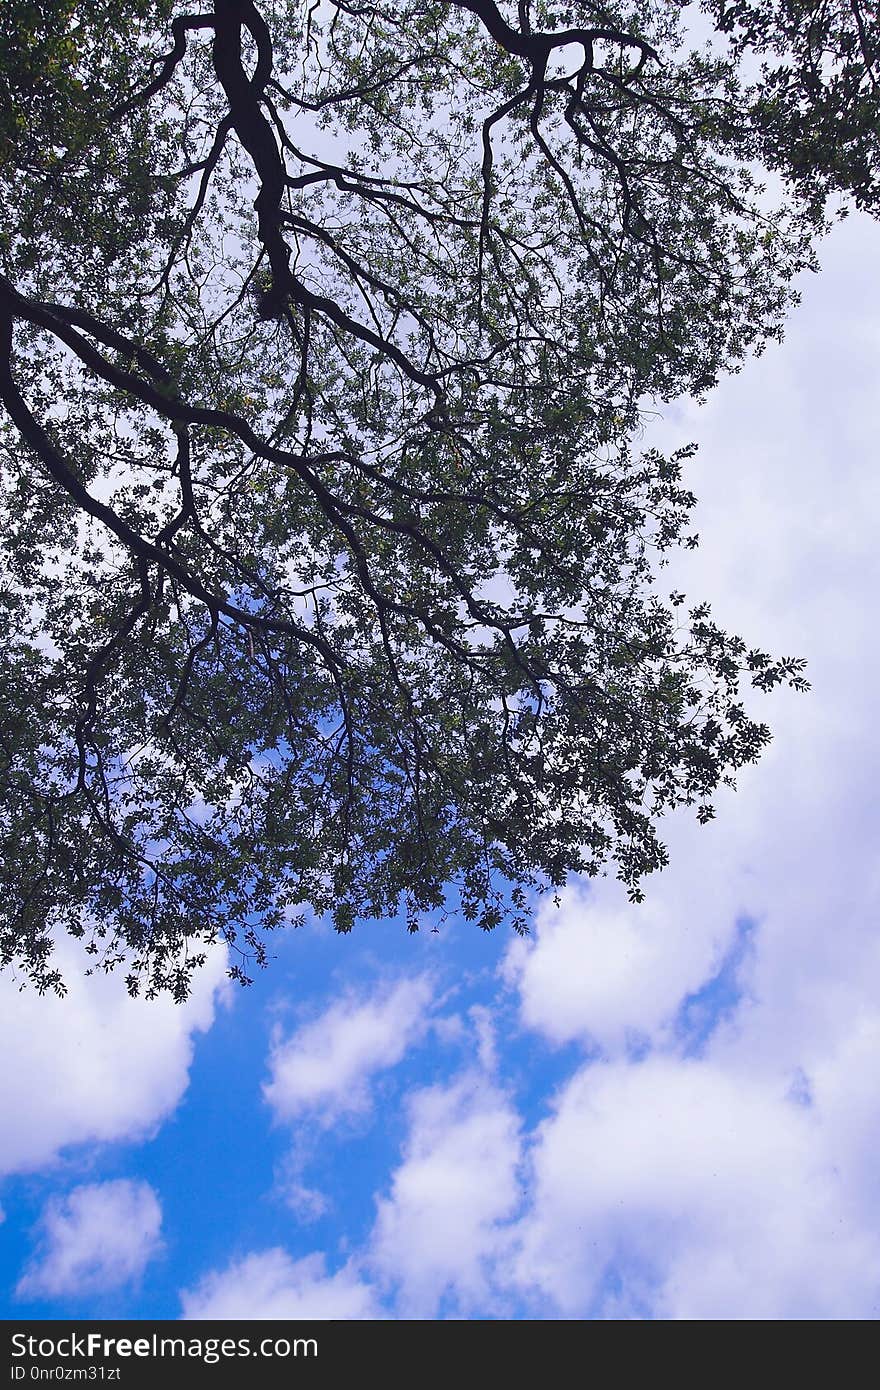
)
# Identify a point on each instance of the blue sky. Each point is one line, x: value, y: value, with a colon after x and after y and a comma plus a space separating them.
x: 666, y: 1111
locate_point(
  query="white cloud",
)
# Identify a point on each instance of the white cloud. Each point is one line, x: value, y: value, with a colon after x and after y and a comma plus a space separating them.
x: 326, y: 1066
x: 700, y: 1184
x: 96, y: 1065
x: 702, y: 1192
x: 98, y: 1237
x: 441, y: 1228
x: 789, y: 514
x: 308, y: 1203
x: 272, y: 1285
x: 599, y: 970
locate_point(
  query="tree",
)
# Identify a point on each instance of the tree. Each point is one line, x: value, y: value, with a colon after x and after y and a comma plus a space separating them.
x: 329, y: 552
x: 817, y: 107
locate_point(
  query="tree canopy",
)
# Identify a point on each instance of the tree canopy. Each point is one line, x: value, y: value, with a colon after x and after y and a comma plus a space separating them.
x: 329, y: 550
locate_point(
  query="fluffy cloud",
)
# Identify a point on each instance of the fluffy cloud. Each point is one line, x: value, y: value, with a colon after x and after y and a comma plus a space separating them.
x: 95, y: 1065
x: 789, y: 512
x: 325, y: 1066
x: 601, y: 972
x: 441, y: 1230
x: 97, y: 1238
x: 272, y: 1285
x: 742, y: 1182
x: 681, y: 1189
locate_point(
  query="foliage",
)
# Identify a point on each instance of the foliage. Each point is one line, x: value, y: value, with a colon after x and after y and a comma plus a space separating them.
x: 329, y: 552
x: 817, y: 106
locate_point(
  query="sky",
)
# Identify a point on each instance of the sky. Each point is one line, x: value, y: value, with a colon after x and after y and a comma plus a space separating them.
x: 669, y: 1110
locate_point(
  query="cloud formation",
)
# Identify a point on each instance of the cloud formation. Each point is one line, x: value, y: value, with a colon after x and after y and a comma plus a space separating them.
x: 96, y: 1065
x: 740, y: 1183
x: 326, y: 1066
x: 439, y: 1233
x: 271, y: 1284
x: 684, y: 1189
x: 97, y: 1238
